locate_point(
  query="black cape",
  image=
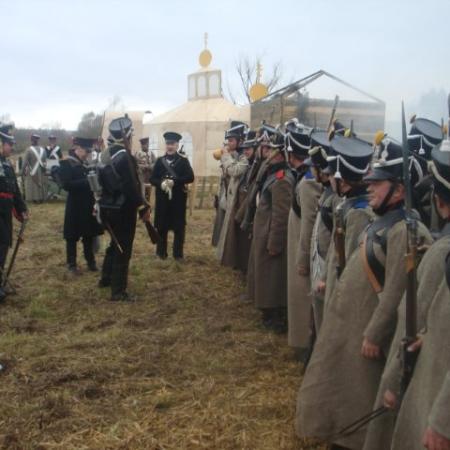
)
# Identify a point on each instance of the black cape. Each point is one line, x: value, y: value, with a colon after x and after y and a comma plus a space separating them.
x: 78, y: 219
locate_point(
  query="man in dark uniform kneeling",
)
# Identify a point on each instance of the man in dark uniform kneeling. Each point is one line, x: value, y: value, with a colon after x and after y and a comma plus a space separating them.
x: 171, y: 174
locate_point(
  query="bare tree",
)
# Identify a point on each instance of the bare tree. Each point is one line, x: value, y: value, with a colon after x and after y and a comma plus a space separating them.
x: 53, y: 125
x: 116, y: 104
x: 249, y: 73
x: 5, y: 118
x: 91, y: 124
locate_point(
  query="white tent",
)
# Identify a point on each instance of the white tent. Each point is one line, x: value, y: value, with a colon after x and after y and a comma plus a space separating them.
x: 202, y: 121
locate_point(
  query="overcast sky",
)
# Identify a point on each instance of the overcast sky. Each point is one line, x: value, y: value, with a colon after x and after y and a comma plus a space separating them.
x: 61, y: 58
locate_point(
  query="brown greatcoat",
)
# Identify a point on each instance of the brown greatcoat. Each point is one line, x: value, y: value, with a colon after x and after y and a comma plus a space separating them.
x: 234, y: 167
x: 427, y: 400
x: 34, y: 173
x: 429, y: 276
x: 270, y: 234
x: 307, y: 192
x: 320, y: 244
x: 237, y: 243
x: 262, y: 173
x: 340, y: 385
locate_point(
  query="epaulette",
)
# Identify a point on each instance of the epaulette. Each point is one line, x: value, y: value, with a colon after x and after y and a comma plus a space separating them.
x: 280, y: 174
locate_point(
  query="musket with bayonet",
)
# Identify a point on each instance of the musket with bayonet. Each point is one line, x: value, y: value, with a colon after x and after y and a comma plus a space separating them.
x: 19, y: 240
x: 339, y: 226
x: 409, y: 357
x: 152, y: 232
x: 333, y: 112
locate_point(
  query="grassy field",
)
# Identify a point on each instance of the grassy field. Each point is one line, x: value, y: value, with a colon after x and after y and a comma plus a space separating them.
x: 187, y: 366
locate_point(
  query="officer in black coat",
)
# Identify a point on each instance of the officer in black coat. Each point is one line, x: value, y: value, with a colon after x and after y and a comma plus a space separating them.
x: 120, y: 201
x: 79, y: 221
x: 11, y: 201
x: 171, y: 173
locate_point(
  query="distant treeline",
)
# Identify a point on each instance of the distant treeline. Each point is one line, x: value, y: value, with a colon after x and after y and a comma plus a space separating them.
x: 22, y: 135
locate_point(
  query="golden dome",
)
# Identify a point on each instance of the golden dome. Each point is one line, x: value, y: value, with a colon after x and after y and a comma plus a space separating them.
x: 205, y: 57
x: 258, y: 90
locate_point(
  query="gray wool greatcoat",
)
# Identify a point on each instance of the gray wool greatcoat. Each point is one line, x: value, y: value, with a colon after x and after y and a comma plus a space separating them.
x: 427, y: 400
x: 234, y: 168
x: 300, y: 229
x: 340, y: 385
x: 429, y: 276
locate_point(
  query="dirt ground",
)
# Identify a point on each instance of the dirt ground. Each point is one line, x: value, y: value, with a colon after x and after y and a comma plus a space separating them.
x: 187, y: 366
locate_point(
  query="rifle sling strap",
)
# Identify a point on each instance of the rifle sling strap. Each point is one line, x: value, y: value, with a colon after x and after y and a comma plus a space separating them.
x: 376, y: 234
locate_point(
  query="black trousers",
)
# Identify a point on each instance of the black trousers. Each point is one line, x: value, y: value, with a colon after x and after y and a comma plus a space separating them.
x: 178, y: 243
x: 116, y: 262
x: 88, y: 250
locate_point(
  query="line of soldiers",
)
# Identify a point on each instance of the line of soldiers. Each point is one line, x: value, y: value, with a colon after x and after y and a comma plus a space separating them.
x: 36, y: 168
x: 316, y: 219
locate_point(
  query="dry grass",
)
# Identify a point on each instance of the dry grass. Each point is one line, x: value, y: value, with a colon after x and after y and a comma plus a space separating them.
x: 187, y: 366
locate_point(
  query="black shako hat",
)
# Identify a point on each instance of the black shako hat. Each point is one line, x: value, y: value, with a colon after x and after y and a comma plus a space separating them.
x: 320, y: 149
x: 172, y: 136
x: 6, y: 133
x: 388, y: 162
x: 250, y: 140
x: 265, y: 133
x: 84, y: 142
x: 144, y: 140
x: 297, y: 138
x: 423, y: 136
x: 119, y: 127
x: 237, y: 130
x: 439, y: 168
x: 349, y: 157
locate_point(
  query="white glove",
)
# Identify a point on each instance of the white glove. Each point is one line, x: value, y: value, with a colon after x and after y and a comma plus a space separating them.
x: 164, y: 186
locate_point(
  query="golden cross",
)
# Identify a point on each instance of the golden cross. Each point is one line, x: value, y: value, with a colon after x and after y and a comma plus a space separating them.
x: 206, y: 40
x: 259, y: 70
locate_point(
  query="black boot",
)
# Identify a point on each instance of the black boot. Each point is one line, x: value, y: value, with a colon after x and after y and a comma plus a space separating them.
x: 268, y: 317
x: 161, y: 246
x: 178, y: 244
x: 123, y: 297
x: 280, y: 321
x: 71, y: 248
x: 88, y: 248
